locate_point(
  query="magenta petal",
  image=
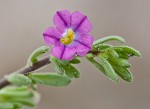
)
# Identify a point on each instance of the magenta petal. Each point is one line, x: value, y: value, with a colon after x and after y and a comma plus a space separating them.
x: 63, y: 52
x: 51, y: 36
x: 57, y: 50
x: 68, y: 53
x: 82, y: 50
x: 84, y: 44
x: 80, y: 23
x: 62, y: 19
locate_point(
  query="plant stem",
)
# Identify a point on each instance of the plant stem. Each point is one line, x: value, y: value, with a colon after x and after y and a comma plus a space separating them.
x: 27, y: 69
x: 41, y: 63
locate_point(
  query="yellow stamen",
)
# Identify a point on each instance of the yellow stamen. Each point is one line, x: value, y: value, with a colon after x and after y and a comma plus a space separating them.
x: 68, y: 38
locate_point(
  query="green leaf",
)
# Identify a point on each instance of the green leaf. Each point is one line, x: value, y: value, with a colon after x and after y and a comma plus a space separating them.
x: 35, y: 54
x: 96, y: 64
x: 58, y: 66
x: 120, y: 62
x: 64, y: 62
x: 6, y: 105
x: 108, y: 38
x: 122, y: 54
x: 13, y: 92
x: 111, y: 52
x: 66, y: 68
x: 19, y: 79
x: 108, y: 69
x: 71, y: 71
x: 124, y: 73
x: 75, y: 61
x: 101, y: 47
x: 18, y: 96
x: 129, y: 50
x: 50, y: 79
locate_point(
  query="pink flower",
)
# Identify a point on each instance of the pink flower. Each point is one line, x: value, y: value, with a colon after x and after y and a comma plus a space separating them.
x: 70, y: 36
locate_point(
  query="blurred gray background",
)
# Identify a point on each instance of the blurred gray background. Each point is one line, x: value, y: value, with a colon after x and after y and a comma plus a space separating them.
x: 23, y: 21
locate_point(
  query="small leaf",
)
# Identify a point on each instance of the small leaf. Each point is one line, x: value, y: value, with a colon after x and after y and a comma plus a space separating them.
x: 75, y: 61
x: 50, y: 79
x: 58, y: 67
x: 129, y: 50
x: 17, y: 95
x: 97, y: 65
x: 120, y: 62
x: 124, y: 73
x: 108, y: 38
x: 71, y: 71
x: 101, y: 47
x: 66, y: 68
x: 12, y: 92
x: 19, y: 79
x: 6, y: 105
x: 35, y: 54
x: 122, y: 54
x: 108, y: 69
x: 111, y: 52
x: 64, y: 62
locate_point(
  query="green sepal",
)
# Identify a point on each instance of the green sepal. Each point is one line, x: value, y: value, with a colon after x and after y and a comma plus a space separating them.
x: 108, y: 38
x: 36, y: 53
x: 19, y: 79
x: 50, y: 79
x: 129, y: 50
x: 108, y: 69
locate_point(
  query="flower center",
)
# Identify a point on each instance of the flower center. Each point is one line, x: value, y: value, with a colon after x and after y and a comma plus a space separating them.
x: 68, y: 38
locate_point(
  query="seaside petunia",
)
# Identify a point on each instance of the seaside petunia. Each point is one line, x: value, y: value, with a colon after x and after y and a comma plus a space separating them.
x: 70, y: 35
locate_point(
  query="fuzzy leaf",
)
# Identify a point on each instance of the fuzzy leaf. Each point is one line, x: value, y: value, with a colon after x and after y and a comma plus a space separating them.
x: 35, y: 54
x: 101, y: 47
x: 13, y: 92
x: 108, y: 69
x: 75, y: 61
x: 124, y: 73
x: 18, y: 96
x: 66, y: 68
x: 122, y: 54
x: 120, y: 62
x: 97, y: 65
x: 111, y: 52
x: 50, y: 79
x: 19, y: 79
x: 108, y: 38
x: 58, y: 67
x: 129, y: 50
x: 71, y: 71
x: 6, y: 105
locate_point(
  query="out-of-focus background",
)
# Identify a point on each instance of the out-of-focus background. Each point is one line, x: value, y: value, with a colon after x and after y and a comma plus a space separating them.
x: 23, y: 21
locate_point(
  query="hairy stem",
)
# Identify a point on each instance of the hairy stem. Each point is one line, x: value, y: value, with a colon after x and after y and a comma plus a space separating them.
x: 43, y: 62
